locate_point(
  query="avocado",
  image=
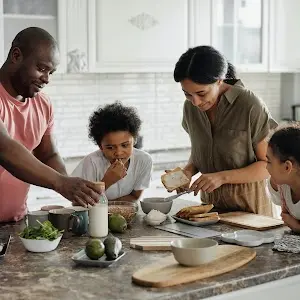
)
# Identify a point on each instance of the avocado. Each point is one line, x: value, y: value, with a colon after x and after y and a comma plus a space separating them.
x: 117, y: 223
x: 94, y: 249
x: 113, y: 247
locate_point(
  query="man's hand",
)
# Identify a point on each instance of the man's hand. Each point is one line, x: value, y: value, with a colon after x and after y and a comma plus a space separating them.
x: 207, y: 183
x: 114, y: 173
x: 291, y: 222
x: 77, y: 190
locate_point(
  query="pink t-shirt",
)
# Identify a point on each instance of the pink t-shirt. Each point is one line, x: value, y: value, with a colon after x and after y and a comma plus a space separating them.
x: 26, y: 122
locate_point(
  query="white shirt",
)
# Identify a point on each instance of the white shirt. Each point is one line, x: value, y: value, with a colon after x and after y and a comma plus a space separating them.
x: 94, y: 166
x: 293, y: 208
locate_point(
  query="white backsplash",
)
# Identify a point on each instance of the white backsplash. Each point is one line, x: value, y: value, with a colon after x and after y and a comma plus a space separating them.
x: 157, y: 97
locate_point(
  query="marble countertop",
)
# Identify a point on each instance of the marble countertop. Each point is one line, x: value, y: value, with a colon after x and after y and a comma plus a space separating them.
x: 53, y: 275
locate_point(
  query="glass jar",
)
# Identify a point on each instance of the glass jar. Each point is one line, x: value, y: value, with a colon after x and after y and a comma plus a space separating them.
x: 98, y: 215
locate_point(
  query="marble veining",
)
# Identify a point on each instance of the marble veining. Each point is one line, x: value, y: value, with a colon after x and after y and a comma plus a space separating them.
x: 25, y: 275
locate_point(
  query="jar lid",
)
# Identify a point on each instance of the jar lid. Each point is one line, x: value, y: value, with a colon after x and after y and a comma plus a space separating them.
x: 100, y: 185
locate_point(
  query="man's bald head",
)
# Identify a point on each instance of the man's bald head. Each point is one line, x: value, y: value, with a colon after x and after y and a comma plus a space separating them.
x: 29, y: 39
x: 32, y: 59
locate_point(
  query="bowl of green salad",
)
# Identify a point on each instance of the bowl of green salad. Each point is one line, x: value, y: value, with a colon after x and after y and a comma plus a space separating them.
x: 44, y: 238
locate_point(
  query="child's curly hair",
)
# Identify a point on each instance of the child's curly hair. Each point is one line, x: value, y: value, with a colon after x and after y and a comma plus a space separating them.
x: 285, y: 142
x: 111, y: 118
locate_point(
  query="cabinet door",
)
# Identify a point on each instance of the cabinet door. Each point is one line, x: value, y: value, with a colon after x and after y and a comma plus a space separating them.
x: 240, y: 32
x: 136, y: 35
x: 284, y: 35
x: 17, y: 15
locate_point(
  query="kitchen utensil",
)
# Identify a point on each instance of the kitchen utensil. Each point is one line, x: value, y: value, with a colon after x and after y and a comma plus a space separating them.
x: 187, y: 230
x: 167, y: 272
x: 173, y: 197
x: 40, y: 245
x: 158, y: 203
x: 153, y: 243
x: 80, y: 258
x: 249, y: 220
x: 80, y: 228
x: 34, y: 216
x: 125, y: 208
x: 248, y: 238
x: 4, y: 243
x: 193, y: 251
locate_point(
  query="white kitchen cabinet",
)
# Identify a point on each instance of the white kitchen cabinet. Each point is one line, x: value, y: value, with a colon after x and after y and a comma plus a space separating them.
x: 284, y: 36
x: 16, y: 15
x: 240, y: 32
x: 137, y: 35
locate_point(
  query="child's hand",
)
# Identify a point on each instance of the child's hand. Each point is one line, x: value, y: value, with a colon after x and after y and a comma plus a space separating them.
x: 291, y: 222
x: 114, y: 173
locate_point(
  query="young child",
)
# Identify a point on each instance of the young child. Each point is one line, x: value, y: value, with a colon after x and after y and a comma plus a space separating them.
x: 283, y: 164
x: 125, y: 170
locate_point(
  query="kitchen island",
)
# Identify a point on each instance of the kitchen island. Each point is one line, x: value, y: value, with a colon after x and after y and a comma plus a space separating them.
x: 53, y: 275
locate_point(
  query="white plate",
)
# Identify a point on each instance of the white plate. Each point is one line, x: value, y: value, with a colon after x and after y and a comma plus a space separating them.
x: 80, y: 258
x: 248, y: 238
x: 195, y: 223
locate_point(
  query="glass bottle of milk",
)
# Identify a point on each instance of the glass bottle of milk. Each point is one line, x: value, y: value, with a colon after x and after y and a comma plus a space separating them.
x: 98, y: 215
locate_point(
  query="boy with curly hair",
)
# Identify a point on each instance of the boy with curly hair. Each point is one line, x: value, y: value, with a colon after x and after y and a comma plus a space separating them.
x: 125, y: 170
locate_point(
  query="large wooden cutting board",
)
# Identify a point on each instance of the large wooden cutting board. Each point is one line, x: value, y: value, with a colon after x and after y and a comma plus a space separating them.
x: 167, y: 272
x: 249, y: 220
x: 153, y: 243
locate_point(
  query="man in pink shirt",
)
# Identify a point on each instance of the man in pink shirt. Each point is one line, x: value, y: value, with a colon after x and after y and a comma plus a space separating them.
x: 27, y: 151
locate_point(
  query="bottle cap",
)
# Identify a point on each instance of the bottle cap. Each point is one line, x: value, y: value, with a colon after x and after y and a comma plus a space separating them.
x: 100, y: 185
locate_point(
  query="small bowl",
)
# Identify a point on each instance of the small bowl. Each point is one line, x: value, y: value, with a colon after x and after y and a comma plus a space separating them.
x: 194, y: 252
x: 40, y: 245
x: 50, y: 207
x: 147, y: 204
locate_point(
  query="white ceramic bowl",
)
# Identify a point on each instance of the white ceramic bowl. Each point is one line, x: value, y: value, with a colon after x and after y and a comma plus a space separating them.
x: 193, y: 251
x: 147, y: 204
x: 40, y: 245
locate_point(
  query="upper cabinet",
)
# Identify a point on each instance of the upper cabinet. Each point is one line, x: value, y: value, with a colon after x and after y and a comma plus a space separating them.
x: 284, y: 36
x: 16, y: 15
x: 240, y: 32
x: 137, y: 35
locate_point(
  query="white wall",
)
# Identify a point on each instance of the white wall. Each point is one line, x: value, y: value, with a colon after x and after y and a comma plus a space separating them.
x: 157, y: 97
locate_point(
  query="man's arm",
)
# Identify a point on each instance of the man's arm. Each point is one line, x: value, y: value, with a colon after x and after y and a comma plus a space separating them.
x: 47, y: 153
x: 16, y: 159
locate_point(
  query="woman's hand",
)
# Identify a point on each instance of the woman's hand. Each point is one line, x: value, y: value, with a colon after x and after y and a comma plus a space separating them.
x: 291, y: 222
x: 207, y: 182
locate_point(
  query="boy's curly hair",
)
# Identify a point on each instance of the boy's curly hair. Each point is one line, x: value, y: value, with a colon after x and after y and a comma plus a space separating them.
x: 111, y: 118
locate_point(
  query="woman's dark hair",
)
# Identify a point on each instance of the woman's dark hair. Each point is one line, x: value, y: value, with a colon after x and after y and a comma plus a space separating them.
x: 203, y: 65
x: 111, y: 118
x: 285, y: 143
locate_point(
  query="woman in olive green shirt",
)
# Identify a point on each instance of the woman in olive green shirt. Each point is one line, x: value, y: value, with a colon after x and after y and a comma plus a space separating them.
x: 228, y: 126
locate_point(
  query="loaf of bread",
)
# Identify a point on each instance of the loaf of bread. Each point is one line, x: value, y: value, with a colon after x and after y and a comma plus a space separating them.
x: 190, y: 211
x: 174, y: 179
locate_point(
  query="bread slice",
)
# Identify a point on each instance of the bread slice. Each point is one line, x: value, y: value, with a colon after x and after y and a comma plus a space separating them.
x: 174, y: 179
x: 205, y: 219
x: 190, y: 211
x: 209, y: 214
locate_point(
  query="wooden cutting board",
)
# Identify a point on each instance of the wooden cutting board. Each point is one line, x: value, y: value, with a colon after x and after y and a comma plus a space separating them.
x: 249, y: 220
x: 167, y: 272
x: 153, y: 243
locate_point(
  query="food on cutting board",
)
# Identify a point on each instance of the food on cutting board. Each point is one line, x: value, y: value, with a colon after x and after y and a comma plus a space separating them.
x: 198, y: 213
x: 117, y: 223
x: 174, y: 179
x: 94, y: 249
x: 113, y: 247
